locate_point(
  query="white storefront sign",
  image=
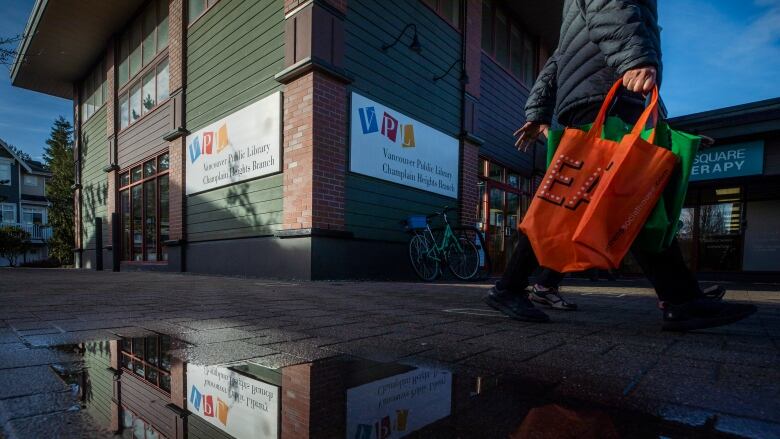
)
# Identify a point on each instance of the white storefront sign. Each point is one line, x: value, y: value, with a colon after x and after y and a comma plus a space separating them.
x: 396, y: 406
x: 391, y: 146
x: 242, y: 407
x: 246, y: 144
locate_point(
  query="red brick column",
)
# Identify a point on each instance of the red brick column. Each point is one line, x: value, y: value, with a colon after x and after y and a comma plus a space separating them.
x: 315, y: 136
x: 176, y: 67
x: 313, y: 400
x: 469, y: 177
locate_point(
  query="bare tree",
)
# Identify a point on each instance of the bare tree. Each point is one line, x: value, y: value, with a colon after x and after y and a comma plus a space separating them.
x: 8, y: 46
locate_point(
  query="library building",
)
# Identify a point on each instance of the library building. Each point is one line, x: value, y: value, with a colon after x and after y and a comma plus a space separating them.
x: 288, y: 138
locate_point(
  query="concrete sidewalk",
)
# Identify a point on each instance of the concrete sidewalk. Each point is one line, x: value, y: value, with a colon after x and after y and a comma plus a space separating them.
x: 611, y: 352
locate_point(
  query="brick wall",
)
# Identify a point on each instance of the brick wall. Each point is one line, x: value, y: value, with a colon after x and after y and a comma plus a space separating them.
x: 315, y: 124
x: 469, y: 192
x: 330, y: 141
x: 176, y: 188
x: 298, y: 152
x: 313, y: 400
x: 176, y: 40
x: 176, y: 35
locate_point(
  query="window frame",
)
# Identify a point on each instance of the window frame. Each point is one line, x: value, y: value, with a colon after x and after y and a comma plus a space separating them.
x: 101, y: 87
x: 33, y: 177
x: 10, y: 166
x: 512, y: 21
x: 127, y: 89
x: 35, y: 209
x: 2, y: 214
x: 129, y: 187
x: 126, y: 37
x: 143, y: 360
x: 437, y: 8
x: 192, y: 20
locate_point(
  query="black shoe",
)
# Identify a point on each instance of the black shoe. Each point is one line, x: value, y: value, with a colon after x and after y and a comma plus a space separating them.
x: 551, y: 298
x: 516, y: 306
x: 703, y: 313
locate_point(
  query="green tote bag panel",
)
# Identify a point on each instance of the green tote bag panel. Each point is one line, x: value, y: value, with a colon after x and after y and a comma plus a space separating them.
x: 662, y: 225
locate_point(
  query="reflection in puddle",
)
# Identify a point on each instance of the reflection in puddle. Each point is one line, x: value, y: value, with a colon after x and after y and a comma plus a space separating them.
x: 139, y: 388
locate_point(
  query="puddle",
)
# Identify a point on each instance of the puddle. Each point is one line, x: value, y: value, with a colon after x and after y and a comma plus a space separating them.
x: 147, y: 387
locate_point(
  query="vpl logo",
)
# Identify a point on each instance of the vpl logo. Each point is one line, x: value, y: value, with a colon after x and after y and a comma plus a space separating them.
x: 206, y: 146
x: 390, y: 126
x: 207, y: 401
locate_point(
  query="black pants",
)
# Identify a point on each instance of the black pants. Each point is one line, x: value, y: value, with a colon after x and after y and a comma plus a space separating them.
x: 672, y: 279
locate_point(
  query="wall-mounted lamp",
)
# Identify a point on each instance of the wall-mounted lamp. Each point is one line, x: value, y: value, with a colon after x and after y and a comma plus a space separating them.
x: 464, y: 78
x: 415, y: 44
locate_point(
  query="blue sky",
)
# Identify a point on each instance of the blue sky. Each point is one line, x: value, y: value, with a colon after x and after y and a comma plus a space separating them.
x: 716, y: 54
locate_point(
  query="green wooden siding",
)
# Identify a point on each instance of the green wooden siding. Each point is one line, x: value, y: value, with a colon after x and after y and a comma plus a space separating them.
x: 100, y: 390
x: 400, y: 79
x: 94, y: 182
x: 374, y: 208
x: 233, y: 53
x: 251, y: 208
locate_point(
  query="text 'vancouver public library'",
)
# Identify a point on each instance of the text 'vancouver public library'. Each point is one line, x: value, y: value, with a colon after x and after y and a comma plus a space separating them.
x: 288, y: 138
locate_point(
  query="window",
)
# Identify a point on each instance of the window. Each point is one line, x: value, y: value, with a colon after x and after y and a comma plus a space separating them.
x: 198, y: 7
x: 93, y: 91
x: 144, y: 205
x: 7, y: 213
x: 504, y: 39
x: 144, y: 95
x: 31, y: 180
x: 5, y: 173
x: 148, y: 358
x: 146, y: 37
x: 448, y: 9
x: 34, y: 215
x: 137, y: 428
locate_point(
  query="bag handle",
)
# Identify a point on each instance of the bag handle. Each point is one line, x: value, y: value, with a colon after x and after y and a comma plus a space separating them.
x: 651, y: 110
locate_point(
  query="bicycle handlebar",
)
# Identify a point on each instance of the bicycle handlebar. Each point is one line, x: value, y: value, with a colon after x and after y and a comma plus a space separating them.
x: 435, y: 214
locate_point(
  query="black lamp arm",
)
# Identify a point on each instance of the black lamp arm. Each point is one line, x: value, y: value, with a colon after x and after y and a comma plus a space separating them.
x: 398, y: 38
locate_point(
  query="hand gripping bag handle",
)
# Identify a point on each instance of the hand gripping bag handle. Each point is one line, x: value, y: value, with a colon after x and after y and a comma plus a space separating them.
x: 651, y: 110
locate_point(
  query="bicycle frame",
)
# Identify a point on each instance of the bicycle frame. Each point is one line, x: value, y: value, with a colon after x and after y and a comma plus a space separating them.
x: 447, y: 240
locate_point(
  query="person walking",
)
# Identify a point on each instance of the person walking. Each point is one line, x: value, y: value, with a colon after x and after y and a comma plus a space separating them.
x: 600, y: 42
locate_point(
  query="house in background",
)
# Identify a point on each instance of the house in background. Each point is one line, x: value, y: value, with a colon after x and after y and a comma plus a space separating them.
x: 23, y: 201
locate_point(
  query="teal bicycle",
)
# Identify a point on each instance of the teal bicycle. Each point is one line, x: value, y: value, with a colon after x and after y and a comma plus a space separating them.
x: 457, y: 252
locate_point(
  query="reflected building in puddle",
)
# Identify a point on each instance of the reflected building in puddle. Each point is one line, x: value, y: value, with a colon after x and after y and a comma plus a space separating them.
x: 145, y: 387
x: 138, y: 388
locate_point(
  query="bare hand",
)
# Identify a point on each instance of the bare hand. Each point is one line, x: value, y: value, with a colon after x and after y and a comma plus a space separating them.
x: 528, y: 133
x: 640, y: 80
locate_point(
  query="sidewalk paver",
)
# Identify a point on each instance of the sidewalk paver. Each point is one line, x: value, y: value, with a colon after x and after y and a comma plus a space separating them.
x: 610, y: 352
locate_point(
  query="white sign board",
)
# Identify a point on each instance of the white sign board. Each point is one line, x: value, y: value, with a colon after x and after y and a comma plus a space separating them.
x: 242, y: 407
x: 246, y: 144
x: 391, y: 146
x: 396, y: 406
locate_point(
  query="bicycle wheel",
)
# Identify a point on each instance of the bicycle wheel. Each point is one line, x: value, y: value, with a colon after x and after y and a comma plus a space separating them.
x: 425, y: 266
x: 463, y: 262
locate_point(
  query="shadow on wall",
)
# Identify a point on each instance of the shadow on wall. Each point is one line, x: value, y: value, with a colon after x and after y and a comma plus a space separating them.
x: 94, y: 195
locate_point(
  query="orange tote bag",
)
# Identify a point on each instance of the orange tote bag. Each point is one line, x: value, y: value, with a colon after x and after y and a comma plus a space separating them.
x: 597, y: 194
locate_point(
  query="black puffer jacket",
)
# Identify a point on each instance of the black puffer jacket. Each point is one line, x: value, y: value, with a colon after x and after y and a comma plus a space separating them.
x: 600, y: 40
